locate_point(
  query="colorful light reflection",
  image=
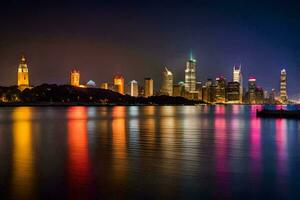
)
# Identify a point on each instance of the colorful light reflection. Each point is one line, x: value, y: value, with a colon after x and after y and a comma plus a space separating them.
x: 23, y: 157
x: 79, y: 164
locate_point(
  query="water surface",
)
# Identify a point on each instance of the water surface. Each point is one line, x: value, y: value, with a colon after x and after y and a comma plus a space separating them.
x: 160, y: 152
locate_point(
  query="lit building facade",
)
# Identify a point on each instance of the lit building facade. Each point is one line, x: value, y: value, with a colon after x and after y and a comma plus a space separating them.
x: 104, y: 85
x: 23, y: 74
x: 220, y: 90
x: 91, y: 84
x: 178, y: 89
x: 119, y: 84
x: 75, y: 78
x: 209, y: 91
x: 134, y: 88
x: 148, y: 87
x: 190, y: 75
x: 237, y: 77
x: 233, y: 92
x: 252, y: 90
x: 283, y: 93
x: 167, y: 83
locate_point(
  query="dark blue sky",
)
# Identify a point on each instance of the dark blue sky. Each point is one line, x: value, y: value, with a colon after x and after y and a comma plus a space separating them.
x: 136, y: 39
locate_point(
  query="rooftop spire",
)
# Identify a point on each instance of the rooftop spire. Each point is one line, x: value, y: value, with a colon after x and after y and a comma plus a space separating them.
x: 23, y: 59
x: 191, y: 56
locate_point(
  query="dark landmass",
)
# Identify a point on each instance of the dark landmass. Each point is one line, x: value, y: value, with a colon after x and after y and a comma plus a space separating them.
x: 66, y: 95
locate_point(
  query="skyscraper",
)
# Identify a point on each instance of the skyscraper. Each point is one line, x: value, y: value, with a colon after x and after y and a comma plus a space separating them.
x: 237, y: 77
x: 119, y: 84
x: 252, y: 90
x: 178, y: 89
x: 134, y: 89
x: 148, y: 87
x: 75, y: 78
x: 233, y: 92
x: 190, y: 75
x: 23, y: 74
x: 283, y: 93
x: 220, y: 89
x: 167, y: 83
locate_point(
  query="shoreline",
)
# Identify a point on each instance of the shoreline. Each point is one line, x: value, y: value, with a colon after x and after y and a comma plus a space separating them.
x: 49, y: 104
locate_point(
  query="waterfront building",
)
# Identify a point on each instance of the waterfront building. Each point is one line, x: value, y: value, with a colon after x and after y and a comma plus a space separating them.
x: 104, y: 85
x: 91, y: 84
x: 259, y: 95
x: 272, y: 96
x: 23, y: 74
x: 199, y: 90
x: 220, y: 90
x: 283, y: 93
x: 119, y: 84
x: 233, y: 92
x: 148, y: 87
x: 178, y: 89
x: 167, y: 83
x: 134, y: 88
x: 237, y: 77
x: 190, y: 75
x: 141, y: 91
x: 75, y: 78
x: 209, y: 91
x: 251, y: 90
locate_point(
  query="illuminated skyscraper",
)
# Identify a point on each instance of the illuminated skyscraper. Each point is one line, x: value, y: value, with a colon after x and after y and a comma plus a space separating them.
x: 119, y: 84
x: 233, y: 92
x: 237, y: 77
x: 23, y: 74
x: 148, y: 87
x: 167, y: 83
x: 134, y: 88
x: 252, y: 90
x: 283, y: 94
x: 190, y: 75
x: 220, y: 90
x: 178, y: 89
x: 75, y: 78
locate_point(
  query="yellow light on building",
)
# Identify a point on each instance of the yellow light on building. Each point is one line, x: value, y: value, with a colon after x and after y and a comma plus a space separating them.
x: 104, y: 86
x: 23, y: 74
x: 148, y: 87
x: 119, y: 84
x: 75, y: 78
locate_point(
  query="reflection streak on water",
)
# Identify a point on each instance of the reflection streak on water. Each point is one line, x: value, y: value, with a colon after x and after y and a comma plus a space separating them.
x: 79, y: 164
x: 255, y: 148
x: 119, y: 142
x: 221, y: 150
x: 23, y: 157
x: 281, y: 142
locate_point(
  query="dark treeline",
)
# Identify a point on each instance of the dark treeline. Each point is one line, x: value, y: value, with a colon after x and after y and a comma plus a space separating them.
x: 68, y: 94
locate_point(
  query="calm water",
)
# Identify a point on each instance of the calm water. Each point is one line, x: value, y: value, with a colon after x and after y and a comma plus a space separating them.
x: 147, y: 152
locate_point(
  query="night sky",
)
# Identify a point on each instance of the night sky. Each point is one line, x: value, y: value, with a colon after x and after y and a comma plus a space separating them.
x: 137, y: 39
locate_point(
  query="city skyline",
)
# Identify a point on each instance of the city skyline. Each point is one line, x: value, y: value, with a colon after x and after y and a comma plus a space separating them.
x: 219, y: 90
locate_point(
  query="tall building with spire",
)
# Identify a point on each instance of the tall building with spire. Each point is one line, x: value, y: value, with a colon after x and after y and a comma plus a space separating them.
x: 75, y: 78
x: 237, y: 77
x: 23, y: 74
x: 167, y: 83
x: 283, y: 93
x: 190, y: 74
